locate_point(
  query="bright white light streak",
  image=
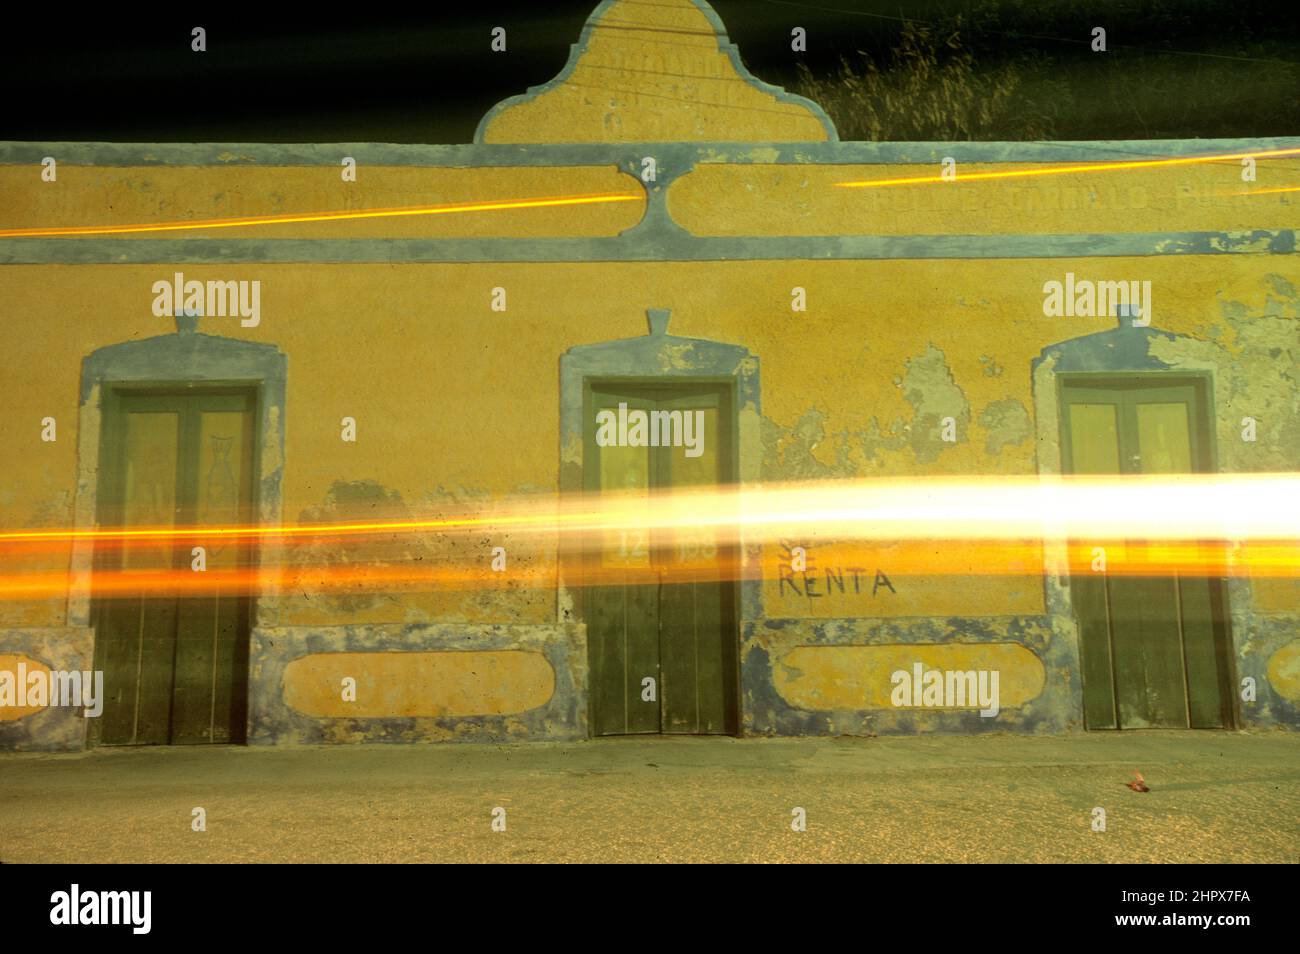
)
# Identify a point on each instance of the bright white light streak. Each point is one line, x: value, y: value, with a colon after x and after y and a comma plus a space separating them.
x: 1165, y: 507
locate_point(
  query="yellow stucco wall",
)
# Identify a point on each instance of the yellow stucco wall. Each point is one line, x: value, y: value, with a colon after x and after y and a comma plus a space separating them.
x: 1276, y: 595
x: 119, y: 196
x: 458, y: 405
x: 1284, y: 671
x: 758, y: 199
x: 713, y: 199
x: 859, y: 677
x: 474, y: 416
x: 418, y: 684
x: 9, y: 663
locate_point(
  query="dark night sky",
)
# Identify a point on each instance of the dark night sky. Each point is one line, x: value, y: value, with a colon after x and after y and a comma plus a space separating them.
x: 344, y: 78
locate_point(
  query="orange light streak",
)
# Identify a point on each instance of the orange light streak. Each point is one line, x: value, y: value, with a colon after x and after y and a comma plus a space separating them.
x: 299, y: 217
x: 1067, y: 170
x: 932, y: 559
x: 1264, y: 191
x: 1205, y: 524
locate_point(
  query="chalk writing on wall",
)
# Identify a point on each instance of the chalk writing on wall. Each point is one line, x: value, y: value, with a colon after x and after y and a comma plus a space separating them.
x: 807, y: 580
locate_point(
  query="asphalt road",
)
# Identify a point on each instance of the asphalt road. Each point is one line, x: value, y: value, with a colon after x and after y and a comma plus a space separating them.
x: 1215, y: 797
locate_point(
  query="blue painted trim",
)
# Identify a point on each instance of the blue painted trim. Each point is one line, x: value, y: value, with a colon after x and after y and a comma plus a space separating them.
x: 765, y: 643
x: 657, y: 243
x: 1115, y: 351
x: 108, y: 154
x: 562, y: 717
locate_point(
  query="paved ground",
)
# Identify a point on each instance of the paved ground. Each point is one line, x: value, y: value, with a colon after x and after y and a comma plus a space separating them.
x: 1222, y: 797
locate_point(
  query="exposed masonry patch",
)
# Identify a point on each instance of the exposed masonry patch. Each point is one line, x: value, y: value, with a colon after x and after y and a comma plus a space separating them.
x: 928, y: 385
x: 788, y: 452
x: 1287, y: 301
x: 1255, y: 358
x: 1007, y: 422
x: 1259, y: 637
x: 873, y: 440
x: 513, y: 598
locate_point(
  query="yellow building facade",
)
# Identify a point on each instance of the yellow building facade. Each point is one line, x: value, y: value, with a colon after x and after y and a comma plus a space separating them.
x: 298, y: 362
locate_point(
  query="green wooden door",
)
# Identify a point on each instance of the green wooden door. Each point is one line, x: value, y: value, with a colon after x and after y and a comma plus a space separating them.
x: 175, y: 662
x: 1153, y: 649
x: 660, y: 615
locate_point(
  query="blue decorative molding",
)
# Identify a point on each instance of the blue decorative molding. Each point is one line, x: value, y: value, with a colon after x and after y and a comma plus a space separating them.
x: 476, y: 155
x: 651, y: 241
x: 563, y: 717
x: 656, y: 237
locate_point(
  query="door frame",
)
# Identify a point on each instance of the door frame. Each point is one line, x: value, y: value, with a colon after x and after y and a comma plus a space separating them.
x: 1202, y: 419
x: 183, y: 360
x: 112, y: 419
x: 727, y: 387
x: 657, y: 355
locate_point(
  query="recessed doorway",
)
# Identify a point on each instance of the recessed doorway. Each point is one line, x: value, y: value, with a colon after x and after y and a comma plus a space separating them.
x: 175, y: 660
x: 660, y: 605
x: 1153, y: 649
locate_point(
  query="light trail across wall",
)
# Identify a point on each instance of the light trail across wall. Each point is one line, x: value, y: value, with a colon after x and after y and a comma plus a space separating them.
x: 1200, y: 524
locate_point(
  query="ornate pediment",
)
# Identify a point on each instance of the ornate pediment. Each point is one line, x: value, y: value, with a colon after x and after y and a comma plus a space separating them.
x: 655, y: 72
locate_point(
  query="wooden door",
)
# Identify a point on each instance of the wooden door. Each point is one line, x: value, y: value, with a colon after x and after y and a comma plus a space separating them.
x: 696, y: 610
x: 175, y: 661
x: 1153, y: 648
x: 664, y: 607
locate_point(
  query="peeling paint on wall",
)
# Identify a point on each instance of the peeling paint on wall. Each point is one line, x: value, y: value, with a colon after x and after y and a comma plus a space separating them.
x: 1007, y: 422
x: 526, y: 594
x: 53, y: 728
x: 1046, y: 694
x: 927, y: 384
x: 561, y: 714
